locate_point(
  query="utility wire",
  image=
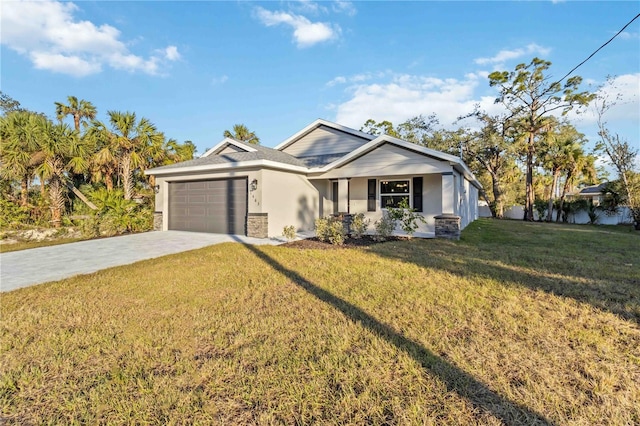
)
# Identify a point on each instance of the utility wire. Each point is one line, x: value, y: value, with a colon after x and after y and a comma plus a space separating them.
x: 599, y: 48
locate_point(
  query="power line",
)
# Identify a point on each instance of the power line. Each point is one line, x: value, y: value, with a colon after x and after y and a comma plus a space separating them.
x: 599, y: 48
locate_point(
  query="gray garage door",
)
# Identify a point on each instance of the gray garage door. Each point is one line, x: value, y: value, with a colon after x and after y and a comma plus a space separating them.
x: 217, y: 206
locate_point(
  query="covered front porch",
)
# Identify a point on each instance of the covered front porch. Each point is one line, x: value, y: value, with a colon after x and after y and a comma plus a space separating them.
x: 431, y: 195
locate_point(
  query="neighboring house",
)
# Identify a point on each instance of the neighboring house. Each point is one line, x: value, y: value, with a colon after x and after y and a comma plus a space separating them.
x: 325, y: 169
x: 593, y: 193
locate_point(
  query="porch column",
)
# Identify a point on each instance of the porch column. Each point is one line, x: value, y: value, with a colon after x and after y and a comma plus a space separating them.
x: 448, y: 193
x: 343, y: 195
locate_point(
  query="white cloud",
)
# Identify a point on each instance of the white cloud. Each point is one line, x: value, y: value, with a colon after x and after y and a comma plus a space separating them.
x: 342, y: 6
x: 406, y: 96
x: 308, y: 6
x: 305, y: 32
x: 53, y: 39
x: 338, y: 80
x: 219, y: 80
x: 625, y: 35
x: 72, y: 65
x: 357, y: 78
x: 171, y: 53
x: 506, y: 55
x: 623, y: 92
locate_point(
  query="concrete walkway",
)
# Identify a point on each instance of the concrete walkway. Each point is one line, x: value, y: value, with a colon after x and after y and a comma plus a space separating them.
x: 35, y: 266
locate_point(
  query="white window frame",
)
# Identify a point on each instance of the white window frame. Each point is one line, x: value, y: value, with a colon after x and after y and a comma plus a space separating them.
x: 391, y: 194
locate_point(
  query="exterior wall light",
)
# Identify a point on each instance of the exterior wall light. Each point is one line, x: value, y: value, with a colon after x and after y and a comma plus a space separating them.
x: 254, y: 184
x: 156, y: 188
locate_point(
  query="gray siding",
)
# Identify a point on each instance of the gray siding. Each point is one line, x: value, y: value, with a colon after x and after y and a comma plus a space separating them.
x: 389, y: 160
x: 324, y: 140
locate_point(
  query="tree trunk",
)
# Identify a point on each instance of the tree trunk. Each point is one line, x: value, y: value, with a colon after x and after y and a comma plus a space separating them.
x: 498, y: 198
x: 108, y: 181
x: 554, y: 182
x: 43, y: 189
x: 565, y: 188
x: 127, y: 177
x: 81, y: 196
x: 24, y: 191
x: 530, y: 196
x: 56, y: 200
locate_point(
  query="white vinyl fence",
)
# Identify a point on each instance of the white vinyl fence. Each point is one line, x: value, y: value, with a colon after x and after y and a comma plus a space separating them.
x: 623, y: 216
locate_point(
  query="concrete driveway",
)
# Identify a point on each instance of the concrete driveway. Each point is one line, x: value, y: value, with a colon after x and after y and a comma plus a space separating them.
x: 35, y: 266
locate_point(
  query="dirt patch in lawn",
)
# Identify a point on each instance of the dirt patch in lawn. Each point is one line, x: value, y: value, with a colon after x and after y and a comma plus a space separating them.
x: 315, y: 244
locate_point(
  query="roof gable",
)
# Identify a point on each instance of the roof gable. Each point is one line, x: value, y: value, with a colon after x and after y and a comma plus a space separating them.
x: 380, y: 141
x: 324, y: 138
x: 229, y: 145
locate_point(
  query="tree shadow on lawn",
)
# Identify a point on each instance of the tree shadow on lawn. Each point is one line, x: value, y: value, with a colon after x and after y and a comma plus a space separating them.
x: 455, y: 379
x: 606, y: 286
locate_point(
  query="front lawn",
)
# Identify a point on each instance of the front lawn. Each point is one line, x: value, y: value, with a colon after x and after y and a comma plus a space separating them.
x: 517, y: 323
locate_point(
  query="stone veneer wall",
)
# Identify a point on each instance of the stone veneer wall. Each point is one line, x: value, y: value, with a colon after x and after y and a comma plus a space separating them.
x: 258, y: 225
x: 157, y: 221
x: 448, y: 226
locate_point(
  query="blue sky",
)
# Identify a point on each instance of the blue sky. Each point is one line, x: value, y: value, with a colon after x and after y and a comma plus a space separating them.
x: 196, y: 68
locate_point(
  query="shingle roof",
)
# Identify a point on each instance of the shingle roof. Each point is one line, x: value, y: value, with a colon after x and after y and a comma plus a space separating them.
x: 593, y: 189
x: 262, y: 153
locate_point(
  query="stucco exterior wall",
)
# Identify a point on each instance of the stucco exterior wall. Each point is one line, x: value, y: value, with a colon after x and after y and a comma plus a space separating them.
x: 289, y: 199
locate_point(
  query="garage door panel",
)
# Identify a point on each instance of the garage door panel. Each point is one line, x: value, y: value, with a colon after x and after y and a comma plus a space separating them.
x: 217, y: 206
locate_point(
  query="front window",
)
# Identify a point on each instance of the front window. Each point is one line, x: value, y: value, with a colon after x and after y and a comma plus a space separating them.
x: 392, y: 192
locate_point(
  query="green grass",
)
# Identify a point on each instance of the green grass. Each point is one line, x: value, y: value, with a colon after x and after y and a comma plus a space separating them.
x: 517, y: 323
x: 25, y: 245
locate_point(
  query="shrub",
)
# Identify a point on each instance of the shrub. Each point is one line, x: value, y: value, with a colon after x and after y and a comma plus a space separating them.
x: 359, y: 225
x: 384, y: 227
x: 541, y: 207
x: 289, y: 232
x: 12, y: 215
x: 408, y: 217
x: 115, y: 215
x: 330, y: 229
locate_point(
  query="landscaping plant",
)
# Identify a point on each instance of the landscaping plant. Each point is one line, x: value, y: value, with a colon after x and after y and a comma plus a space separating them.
x: 289, y: 232
x: 330, y: 229
x: 359, y: 225
x: 407, y: 217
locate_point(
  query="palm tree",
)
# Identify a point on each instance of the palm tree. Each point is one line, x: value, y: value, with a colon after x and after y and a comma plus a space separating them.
x: 579, y: 165
x: 79, y: 109
x: 62, y: 152
x: 104, y: 161
x: 132, y: 142
x: 18, y: 146
x: 560, y: 144
x: 242, y: 133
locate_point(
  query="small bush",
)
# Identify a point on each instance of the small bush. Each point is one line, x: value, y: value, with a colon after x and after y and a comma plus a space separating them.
x: 12, y: 215
x: 407, y: 216
x: 289, y: 232
x: 330, y: 229
x: 541, y: 207
x: 115, y: 215
x: 359, y: 225
x: 384, y: 227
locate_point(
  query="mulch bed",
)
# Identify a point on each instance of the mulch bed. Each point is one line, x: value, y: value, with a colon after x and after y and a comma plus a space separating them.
x: 315, y: 244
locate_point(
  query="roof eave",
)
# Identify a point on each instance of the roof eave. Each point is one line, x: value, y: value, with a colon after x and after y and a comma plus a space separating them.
x: 219, y: 167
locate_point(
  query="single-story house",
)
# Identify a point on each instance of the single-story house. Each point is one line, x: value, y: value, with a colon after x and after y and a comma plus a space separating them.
x: 324, y: 169
x: 593, y: 193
